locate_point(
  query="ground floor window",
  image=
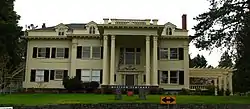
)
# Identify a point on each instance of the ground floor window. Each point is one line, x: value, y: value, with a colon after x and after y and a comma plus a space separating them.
x: 90, y: 75
x: 172, y: 77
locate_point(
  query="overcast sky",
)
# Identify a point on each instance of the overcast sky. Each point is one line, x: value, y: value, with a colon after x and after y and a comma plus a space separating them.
x: 53, y: 12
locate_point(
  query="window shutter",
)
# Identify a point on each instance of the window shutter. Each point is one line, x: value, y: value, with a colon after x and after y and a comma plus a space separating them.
x: 101, y: 52
x: 52, y: 74
x: 114, y: 77
x: 33, y: 76
x: 46, y: 75
x: 47, y: 52
x: 144, y: 78
x: 181, y: 54
x: 158, y: 53
x: 101, y: 73
x: 66, y: 53
x: 79, y: 52
x: 181, y: 77
x: 65, y: 73
x: 78, y: 74
x: 159, y: 77
x: 53, y: 53
x: 34, y: 52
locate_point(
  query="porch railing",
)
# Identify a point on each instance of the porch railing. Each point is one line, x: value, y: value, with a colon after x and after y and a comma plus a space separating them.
x: 194, y: 87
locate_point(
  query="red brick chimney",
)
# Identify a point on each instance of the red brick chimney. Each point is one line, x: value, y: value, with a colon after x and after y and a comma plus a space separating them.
x: 184, y: 21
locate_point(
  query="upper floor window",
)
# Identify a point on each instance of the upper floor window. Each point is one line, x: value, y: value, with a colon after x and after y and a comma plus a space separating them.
x: 130, y: 56
x: 172, y: 77
x: 163, y: 53
x: 168, y: 31
x: 87, y: 52
x: 92, y: 30
x: 41, y: 52
x: 60, y: 53
x: 171, y: 53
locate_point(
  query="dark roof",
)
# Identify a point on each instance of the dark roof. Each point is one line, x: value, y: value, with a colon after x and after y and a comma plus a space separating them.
x: 71, y: 26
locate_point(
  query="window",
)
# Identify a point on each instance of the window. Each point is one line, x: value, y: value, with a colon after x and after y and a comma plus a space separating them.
x: 60, y: 52
x: 164, y: 77
x: 173, y: 53
x: 173, y: 77
x: 131, y: 56
x: 42, y: 52
x: 163, y: 53
x: 95, y: 75
x: 92, y: 30
x: 39, y: 76
x: 88, y: 75
x: 60, y: 33
x: 168, y: 31
x: 96, y: 52
x: 59, y: 74
x: 85, y: 75
x: 86, y: 52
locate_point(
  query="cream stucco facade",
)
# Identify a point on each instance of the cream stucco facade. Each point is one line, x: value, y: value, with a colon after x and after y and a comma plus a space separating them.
x: 117, y: 52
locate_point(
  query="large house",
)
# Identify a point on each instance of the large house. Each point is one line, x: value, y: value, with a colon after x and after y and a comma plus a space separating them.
x: 116, y: 52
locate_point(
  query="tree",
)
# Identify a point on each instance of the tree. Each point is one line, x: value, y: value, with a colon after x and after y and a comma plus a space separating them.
x: 227, y: 25
x: 225, y: 60
x: 198, y: 61
x: 10, y: 32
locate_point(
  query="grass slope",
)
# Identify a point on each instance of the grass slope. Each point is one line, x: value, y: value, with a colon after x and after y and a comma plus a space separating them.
x: 42, y: 99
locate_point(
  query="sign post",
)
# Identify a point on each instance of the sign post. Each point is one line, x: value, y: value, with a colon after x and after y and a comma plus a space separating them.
x: 118, y: 94
x: 142, y: 94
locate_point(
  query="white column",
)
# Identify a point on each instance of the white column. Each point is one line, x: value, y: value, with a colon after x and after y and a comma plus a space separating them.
x: 105, y: 61
x: 220, y: 82
x: 112, y: 60
x: 225, y: 83
x: 147, y: 60
x: 72, y: 72
x: 215, y: 85
x: 155, y: 62
x: 230, y: 75
x: 186, y: 65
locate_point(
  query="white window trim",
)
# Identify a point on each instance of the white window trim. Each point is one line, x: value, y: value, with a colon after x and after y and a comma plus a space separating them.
x: 135, y: 52
x: 91, y: 74
x: 160, y: 50
x: 167, y: 31
x: 169, y: 77
x: 62, y: 52
x: 91, y: 50
x: 42, y: 52
x: 56, y: 73
x: 41, y: 78
x: 177, y: 58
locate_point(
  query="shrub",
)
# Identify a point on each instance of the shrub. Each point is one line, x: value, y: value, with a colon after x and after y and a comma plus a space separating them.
x: 90, y: 86
x: 210, y: 90
x: 198, y: 91
x: 156, y: 91
x: 220, y: 92
x: 184, y: 91
x: 72, y: 84
x: 227, y: 92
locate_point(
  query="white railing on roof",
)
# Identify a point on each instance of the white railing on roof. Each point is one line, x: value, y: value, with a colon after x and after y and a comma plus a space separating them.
x: 131, y: 21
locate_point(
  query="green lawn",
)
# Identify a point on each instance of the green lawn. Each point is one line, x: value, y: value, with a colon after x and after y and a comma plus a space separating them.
x: 41, y: 99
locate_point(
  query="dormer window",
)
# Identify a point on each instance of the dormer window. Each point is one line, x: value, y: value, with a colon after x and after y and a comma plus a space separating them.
x: 92, y: 30
x: 168, y: 31
x: 60, y: 33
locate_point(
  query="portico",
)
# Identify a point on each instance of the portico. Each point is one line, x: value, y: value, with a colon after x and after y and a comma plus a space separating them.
x: 112, y: 70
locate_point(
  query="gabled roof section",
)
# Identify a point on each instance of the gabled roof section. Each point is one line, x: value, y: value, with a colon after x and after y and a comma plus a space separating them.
x: 91, y: 23
x: 170, y: 24
x: 61, y: 25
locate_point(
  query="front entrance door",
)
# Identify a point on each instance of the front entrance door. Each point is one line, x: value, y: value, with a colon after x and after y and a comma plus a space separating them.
x: 130, y: 80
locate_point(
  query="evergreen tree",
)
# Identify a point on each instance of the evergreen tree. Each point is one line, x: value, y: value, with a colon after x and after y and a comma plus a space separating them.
x: 227, y: 24
x: 199, y: 61
x: 225, y: 60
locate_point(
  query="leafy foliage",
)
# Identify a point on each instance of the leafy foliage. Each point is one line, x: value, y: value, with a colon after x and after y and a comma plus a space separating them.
x: 225, y: 60
x: 72, y: 84
x: 227, y: 24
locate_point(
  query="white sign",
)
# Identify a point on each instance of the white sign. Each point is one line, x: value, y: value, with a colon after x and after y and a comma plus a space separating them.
x: 6, y: 107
